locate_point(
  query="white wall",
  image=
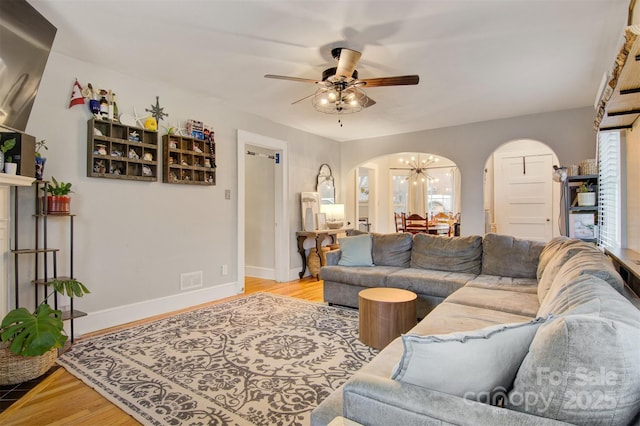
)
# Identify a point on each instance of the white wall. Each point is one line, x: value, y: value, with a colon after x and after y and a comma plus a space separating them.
x: 632, y: 158
x: 133, y: 239
x: 568, y: 133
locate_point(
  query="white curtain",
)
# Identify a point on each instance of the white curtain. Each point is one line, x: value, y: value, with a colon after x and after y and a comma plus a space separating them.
x: 417, y: 196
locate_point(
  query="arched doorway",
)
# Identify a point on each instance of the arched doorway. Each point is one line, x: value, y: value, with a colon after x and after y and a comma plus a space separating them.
x: 397, y: 187
x: 520, y: 197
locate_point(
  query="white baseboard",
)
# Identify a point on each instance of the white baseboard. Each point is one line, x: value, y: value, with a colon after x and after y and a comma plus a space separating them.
x: 112, y: 317
x: 294, y: 274
x: 264, y: 273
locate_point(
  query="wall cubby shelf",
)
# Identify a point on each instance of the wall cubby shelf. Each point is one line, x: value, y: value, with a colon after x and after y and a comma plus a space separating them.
x: 188, y: 161
x: 117, y: 151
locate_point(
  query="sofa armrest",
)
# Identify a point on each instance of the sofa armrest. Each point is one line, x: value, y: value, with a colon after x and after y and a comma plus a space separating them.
x: 376, y: 400
x: 333, y: 256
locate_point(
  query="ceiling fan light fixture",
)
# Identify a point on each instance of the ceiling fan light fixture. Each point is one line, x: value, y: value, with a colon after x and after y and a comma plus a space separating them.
x: 347, y: 101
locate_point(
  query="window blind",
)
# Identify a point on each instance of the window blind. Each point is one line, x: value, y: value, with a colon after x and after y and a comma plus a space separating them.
x: 609, y: 208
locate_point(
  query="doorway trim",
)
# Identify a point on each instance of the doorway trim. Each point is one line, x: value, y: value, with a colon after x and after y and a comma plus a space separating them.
x: 281, y: 243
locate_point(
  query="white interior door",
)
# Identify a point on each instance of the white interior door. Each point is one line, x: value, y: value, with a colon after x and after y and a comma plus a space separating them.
x: 523, y: 195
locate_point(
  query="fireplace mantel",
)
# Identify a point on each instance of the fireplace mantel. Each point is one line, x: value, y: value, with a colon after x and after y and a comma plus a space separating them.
x: 6, y: 182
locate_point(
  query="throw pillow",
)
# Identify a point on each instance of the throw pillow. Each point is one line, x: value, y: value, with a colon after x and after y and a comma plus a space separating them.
x: 474, y: 365
x: 356, y: 250
x: 582, y: 369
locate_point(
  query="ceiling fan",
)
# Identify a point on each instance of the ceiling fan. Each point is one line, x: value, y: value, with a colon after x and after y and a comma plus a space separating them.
x: 340, y: 89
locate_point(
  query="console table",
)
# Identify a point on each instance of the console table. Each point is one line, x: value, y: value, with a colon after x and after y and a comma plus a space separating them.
x: 319, y: 236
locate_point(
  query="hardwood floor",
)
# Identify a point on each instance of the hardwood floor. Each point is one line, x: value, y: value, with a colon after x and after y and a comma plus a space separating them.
x: 61, y: 399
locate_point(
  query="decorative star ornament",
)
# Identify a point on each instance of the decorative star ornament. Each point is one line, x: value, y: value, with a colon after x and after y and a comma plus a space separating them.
x: 156, y: 111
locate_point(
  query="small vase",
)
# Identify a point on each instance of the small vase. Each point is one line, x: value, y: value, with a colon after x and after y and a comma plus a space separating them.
x: 308, y: 220
x: 10, y: 168
x: 40, y: 167
x: 58, y: 203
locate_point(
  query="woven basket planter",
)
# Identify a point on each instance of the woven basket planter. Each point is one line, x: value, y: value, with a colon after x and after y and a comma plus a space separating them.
x: 18, y: 369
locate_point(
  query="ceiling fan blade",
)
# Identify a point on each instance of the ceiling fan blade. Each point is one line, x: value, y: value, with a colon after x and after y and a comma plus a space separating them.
x: 347, y: 62
x: 300, y: 100
x: 401, y: 80
x: 284, y: 77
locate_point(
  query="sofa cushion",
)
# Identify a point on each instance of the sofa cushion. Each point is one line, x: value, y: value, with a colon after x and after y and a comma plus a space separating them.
x: 510, y: 257
x: 365, y: 276
x: 356, y: 250
x: 585, y: 294
x: 520, y: 285
x: 392, y: 249
x: 467, y: 364
x: 453, y: 254
x: 562, y: 254
x: 428, y: 281
x: 585, y: 262
x: 549, y: 251
x: 451, y: 317
x: 497, y: 299
x: 583, y: 369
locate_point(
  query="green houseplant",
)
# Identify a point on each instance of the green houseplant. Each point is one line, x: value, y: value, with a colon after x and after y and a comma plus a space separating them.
x: 40, y: 160
x: 58, y: 200
x: 30, y: 339
x: 4, y: 148
x: 586, y: 194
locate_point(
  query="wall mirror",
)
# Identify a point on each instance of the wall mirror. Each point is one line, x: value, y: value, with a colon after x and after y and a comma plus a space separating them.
x: 325, y: 185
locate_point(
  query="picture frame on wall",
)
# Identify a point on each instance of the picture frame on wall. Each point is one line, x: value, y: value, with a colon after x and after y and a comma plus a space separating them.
x: 583, y: 226
x: 310, y: 203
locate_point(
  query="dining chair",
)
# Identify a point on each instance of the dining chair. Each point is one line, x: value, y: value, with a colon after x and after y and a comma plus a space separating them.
x: 416, y: 223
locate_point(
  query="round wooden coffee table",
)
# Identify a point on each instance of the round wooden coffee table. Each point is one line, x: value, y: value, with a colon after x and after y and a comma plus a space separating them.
x: 385, y: 313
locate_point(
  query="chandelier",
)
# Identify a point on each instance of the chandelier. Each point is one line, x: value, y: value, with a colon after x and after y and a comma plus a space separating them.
x: 419, y: 169
x: 340, y: 98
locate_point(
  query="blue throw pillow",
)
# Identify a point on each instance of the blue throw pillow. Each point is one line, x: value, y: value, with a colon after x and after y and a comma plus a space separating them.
x: 356, y: 251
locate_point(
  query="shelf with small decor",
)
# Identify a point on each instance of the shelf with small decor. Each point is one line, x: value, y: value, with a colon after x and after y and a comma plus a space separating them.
x: 118, y: 151
x: 188, y: 161
x: 581, y: 206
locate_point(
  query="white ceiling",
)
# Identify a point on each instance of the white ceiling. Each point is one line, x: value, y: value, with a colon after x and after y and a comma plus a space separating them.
x: 477, y: 59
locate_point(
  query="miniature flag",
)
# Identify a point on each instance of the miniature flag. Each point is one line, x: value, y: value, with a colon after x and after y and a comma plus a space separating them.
x: 76, y: 95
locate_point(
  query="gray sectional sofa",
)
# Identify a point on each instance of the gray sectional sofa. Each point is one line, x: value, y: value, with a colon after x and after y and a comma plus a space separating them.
x: 573, y: 355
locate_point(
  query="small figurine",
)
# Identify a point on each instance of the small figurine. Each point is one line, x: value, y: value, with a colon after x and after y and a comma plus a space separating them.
x: 151, y: 124
x: 173, y: 177
x: 133, y: 154
x: 146, y: 171
x: 147, y: 156
x: 116, y: 153
x: 196, y: 148
x: 100, y: 149
x: 184, y: 163
x: 98, y: 167
x: 170, y: 160
x: 134, y: 136
x: 207, y: 162
x: 173, y: 144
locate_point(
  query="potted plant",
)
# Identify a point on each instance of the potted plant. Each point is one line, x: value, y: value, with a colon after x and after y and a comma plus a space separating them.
x: 30, y: 340
x: 586, y: 195
x: 40, y: 160
x: 6, y: 146
x: 58, y: 200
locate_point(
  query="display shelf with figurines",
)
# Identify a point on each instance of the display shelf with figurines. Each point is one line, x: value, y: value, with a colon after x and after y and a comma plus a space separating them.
x: 189, y: 160
x: 119, y: 151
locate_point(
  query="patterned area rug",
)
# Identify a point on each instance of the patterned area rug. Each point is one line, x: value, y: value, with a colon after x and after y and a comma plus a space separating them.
x: 262, y: 359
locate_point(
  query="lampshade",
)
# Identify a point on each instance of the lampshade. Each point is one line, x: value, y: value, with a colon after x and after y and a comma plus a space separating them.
x: 334, y: 214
